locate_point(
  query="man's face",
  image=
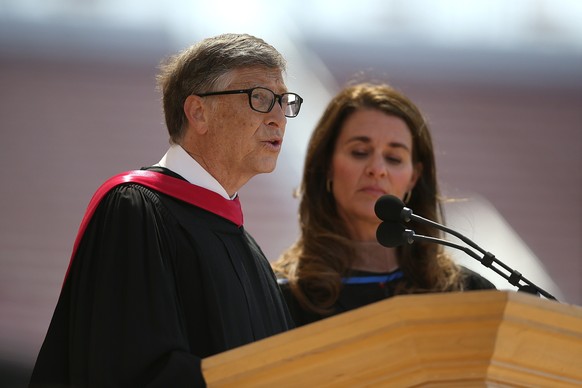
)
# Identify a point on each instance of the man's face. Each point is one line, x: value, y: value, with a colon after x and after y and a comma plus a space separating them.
x: 240, y: 141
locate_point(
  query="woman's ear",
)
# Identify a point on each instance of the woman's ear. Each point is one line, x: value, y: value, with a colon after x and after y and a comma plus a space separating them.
x: 329, y: 174
x: 195, y: 112
x: 416, y: 174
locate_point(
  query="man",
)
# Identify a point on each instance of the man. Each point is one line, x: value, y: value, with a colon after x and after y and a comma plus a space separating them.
x: 163, y: 273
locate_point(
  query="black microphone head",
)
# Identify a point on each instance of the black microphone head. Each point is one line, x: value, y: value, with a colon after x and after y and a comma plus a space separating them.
x: 389, y: 208
x: 390, y: 234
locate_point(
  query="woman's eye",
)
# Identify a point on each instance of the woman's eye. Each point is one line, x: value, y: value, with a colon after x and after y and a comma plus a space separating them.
x: 393, y: 160
x: 359, y: 153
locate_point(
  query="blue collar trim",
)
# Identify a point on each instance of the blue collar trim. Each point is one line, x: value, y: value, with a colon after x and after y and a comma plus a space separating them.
x: 362, y: 279
x: 373, y: 279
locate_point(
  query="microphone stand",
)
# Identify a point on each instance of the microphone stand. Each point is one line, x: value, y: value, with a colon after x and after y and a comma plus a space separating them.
x: 488, y: 259
x: 387, y: 209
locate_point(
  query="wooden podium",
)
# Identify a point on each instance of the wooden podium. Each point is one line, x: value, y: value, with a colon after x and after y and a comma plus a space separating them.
x: 472, y: 339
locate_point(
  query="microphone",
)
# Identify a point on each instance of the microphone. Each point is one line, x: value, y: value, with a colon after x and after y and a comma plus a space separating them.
x: 391, y: 234
x: 391, y: 210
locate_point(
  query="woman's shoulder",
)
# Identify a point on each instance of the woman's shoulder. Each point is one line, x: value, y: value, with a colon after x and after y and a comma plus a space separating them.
x: 474, y: 281
x: 283, y: 283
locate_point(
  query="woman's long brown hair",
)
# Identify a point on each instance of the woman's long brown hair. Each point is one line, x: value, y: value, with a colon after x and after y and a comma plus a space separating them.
x: 316, y: 262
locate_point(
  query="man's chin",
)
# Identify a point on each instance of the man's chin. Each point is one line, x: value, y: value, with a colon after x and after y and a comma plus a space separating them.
x: 267, y: 167
x: 267, y: 171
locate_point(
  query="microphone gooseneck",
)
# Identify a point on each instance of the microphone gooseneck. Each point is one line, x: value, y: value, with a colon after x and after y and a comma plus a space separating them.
x: 391, y: 208
x: 391, y: 233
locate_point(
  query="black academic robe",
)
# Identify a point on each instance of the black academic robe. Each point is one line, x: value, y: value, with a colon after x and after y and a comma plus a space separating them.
x: 367, y: 288
x: 155, y: 285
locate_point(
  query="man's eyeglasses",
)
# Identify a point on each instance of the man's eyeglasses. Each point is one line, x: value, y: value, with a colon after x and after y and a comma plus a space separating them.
x: 262, y: 100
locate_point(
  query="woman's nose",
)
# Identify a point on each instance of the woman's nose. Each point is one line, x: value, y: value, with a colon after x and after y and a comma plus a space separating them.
x: 376, y: 167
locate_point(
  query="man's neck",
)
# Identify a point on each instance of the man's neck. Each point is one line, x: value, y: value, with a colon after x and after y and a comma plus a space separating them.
x: 186, y: 165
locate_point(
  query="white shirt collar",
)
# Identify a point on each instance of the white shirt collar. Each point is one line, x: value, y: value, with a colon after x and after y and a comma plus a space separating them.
x: 179, y: 161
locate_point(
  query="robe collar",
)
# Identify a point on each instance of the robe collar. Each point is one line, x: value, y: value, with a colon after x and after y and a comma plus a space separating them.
x: 174, y: 187
x: 180, y: 162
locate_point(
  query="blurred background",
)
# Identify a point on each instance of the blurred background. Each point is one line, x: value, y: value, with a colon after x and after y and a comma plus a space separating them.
x: 500, y: 83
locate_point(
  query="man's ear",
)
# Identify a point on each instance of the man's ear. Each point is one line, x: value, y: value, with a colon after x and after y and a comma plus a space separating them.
x: 195, y: 112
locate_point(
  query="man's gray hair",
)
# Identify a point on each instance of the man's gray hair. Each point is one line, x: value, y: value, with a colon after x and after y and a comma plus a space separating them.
x: 200, y: 68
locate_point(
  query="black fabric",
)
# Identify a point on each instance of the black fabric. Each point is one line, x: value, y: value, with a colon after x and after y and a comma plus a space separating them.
x: 157, y: 285
x: 353, y: 296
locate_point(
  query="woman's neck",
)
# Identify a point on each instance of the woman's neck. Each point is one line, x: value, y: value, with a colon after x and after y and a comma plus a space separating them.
x: 373, y: 257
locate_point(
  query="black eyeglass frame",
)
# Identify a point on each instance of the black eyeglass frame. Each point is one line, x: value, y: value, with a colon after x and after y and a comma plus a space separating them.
x: 249, y: 92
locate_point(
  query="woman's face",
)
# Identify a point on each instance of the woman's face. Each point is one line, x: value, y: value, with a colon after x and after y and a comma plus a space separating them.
x: 372, y: 157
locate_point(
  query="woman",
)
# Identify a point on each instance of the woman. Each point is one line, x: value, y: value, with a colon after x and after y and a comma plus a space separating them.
x: 370, y: 141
